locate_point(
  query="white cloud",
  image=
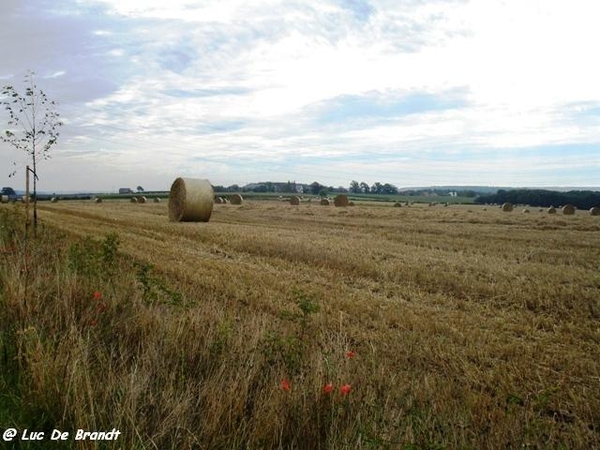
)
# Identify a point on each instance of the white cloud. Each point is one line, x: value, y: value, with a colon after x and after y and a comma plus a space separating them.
x: 228, y: 80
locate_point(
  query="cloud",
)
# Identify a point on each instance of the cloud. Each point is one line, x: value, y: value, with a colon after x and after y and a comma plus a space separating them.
x: 392, y: 89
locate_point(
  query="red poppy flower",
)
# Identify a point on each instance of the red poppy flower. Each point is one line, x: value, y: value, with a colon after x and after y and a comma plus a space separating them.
x: 97, y: 295
x: 345, y: 389
x: 350, y: 354
x: 328, y: 388
x: 285, y: 384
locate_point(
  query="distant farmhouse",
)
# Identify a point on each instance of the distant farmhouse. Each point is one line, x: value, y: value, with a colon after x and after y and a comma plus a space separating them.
x: 125, y: 191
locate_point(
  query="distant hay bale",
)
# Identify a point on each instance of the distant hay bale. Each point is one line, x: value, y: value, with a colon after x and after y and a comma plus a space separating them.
x: 324, y: 202
x: 236, y: 199
x: 142, y: 199
x: 445, y: 204
x: 133, y: 200
x: 568, y: 210
x: 294, y: 200
x: 156, y: 199
x: 190, y: 200
x: 4, y: 199
x: 97, y: 200
x: 397, y: 205
x: 218, y: 200
x: 551, y: 210
x: 541, y: 210
x: 54, y: 199
x: 350, y: 203
x: 341, y: 200
x: 526, y: 211
x: 595, y: 211
x: 507, y: 207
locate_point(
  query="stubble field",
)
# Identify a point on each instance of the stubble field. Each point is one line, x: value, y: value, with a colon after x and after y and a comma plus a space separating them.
x: 451, y: 327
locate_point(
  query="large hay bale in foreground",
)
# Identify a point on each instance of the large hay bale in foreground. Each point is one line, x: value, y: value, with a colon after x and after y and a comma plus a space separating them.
x: 324, y: 202
x: 551, y: 210
x: 595, y: 211
x: 294, y: 200
x: 236, y: 199
x: 507, y: 207
x: 341, y: 200
x: 568, y: 210
x: 190, y: 200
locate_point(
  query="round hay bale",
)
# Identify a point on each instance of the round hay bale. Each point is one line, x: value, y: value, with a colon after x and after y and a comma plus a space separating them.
x: 156, y: 199
x: 526, y: 211
x: 294, y: 200
x: 4, y: 199
x: 324, y: 202
x: 236, y: 199
x: 142, y: 199
x: 341, y: 200
x: 551, y: 210
x: 190, y: 200
x: 397, y: 205
x: 507, y: 207
x: 595, y: 211
x: 568, y: 210
x: 133, y: 200
x: 54, y: 199
x: 350, y: 203
x: 218, y: 200
x: 97, y: 200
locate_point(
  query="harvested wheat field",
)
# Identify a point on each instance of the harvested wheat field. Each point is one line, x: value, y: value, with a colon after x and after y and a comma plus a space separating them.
x: 369, y: 327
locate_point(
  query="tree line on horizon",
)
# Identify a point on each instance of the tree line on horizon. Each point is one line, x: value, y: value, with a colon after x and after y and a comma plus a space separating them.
x: 543, y: 198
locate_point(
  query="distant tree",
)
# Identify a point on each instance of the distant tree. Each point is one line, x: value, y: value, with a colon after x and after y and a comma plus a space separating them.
x: 315, y: 188
x: 389, y: 189
x: 139, y: 189
x: 377, y: 188
x: 33, y: 126
x: 233, y: 188
x: 364, y: 187
x: 289, y: 187
x: 354, y: 187
x: 324, y: 192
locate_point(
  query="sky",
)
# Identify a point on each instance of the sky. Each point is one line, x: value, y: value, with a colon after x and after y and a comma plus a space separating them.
x: 407, y: 92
